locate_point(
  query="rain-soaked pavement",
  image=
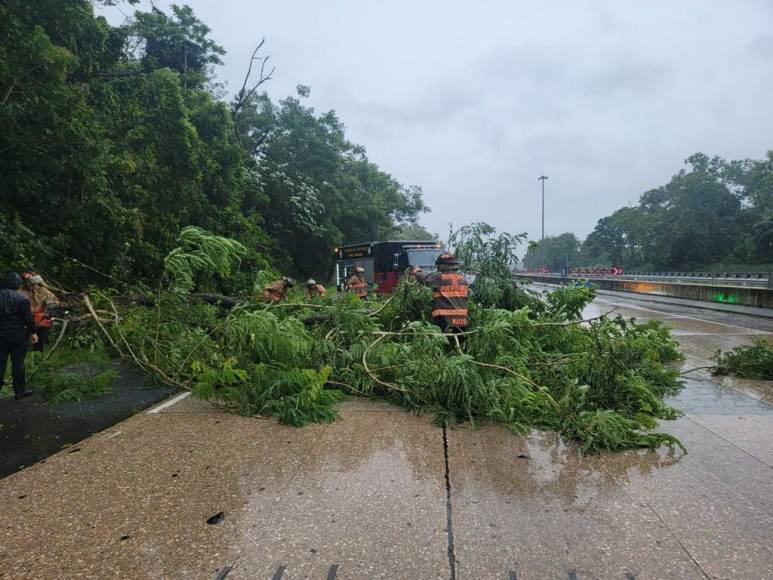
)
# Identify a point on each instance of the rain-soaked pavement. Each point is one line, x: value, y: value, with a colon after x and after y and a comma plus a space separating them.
x: 385, y: 494
x: 31, y: 430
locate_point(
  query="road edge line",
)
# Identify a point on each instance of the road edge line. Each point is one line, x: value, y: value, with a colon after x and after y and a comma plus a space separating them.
x: 168, y: 403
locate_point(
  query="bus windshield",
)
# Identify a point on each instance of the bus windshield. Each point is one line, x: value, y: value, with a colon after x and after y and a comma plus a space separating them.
x: 425, y: 259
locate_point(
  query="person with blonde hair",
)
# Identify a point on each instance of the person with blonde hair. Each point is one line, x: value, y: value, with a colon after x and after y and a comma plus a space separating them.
x: 42, y: 302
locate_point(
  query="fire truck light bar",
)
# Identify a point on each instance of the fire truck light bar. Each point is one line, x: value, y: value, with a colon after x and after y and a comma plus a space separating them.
x: 423, y: 246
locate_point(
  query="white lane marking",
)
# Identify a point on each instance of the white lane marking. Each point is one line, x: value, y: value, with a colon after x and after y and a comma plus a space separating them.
x: 753, y: 330
x: 168, y: 403
x: 116, y: 434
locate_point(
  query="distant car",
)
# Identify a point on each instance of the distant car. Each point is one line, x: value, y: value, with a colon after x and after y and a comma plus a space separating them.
x: 583, y: 283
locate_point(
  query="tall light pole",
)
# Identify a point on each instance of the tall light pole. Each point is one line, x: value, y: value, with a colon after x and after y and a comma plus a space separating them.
x: 542, y: 178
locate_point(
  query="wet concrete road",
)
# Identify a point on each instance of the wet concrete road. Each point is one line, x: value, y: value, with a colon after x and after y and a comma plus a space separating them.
x: 384, y: 494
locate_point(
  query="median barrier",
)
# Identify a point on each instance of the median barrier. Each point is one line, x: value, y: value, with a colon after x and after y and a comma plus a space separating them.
x: 744, y: 296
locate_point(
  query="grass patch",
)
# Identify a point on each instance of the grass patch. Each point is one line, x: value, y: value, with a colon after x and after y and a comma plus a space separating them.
x: 71, y: 373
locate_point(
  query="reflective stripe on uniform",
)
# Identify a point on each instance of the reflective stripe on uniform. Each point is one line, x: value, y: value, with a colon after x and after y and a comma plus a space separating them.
x: 357, y: 286
x: 452, y: 294
x: 450, y: 312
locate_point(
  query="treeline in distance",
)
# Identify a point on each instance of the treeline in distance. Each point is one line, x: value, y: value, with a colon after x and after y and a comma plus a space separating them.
x: 714, y: 214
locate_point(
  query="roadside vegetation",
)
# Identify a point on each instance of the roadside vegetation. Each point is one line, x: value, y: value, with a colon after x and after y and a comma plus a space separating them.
x: 747, y: 362
x: 70, y: 372
x: 114, y: 138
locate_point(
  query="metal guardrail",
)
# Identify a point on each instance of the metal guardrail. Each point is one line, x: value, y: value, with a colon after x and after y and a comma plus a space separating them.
x: 746, y: 275
x: 751, y: 280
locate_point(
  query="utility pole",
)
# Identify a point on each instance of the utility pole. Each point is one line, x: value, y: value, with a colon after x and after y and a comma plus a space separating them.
x: 542, y: 178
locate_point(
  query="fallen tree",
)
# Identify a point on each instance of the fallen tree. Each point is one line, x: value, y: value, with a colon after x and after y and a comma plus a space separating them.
x: 752, y: 361
x: 525, y: 363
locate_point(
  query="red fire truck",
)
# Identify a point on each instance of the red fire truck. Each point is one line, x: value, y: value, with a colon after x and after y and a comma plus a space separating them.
x: 384, y: 262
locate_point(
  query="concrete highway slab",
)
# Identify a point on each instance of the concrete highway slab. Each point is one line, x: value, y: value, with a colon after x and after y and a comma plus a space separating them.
x: 365, y: 494
x: 193, y: 492
x: 535, y: 508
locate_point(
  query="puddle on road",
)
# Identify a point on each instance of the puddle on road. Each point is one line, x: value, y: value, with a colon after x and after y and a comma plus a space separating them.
x: 762, y: 390
x: 542, y: 465
x: 704, y: 396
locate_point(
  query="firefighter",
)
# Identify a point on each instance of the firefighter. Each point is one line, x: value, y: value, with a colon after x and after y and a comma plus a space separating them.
x: 449, y: 293
x: 313, y: 289
x: 17, y: 328
x: 357, y: 283
x: 277, y: 291
x: 42, y: 302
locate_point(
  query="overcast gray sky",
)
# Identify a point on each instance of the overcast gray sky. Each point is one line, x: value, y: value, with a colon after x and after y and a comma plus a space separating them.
x: 473, y: 101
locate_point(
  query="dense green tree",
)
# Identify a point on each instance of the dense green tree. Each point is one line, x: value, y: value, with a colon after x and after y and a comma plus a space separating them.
x: 179, y: 42
x: 713, y: 211
x: 553, y: 252
x: 322, y: 188
x: 413, y: 231
x: 113, y: 140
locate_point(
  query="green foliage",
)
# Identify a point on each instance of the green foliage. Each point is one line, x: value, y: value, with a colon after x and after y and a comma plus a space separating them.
x: 296, y: 396
x: 122, y: 131
x: 748, y: 362
x: 715, y: 211
x: 71, y: 373
x: 568, y: 302
x: 412, y: 231
x: 491, y: 258
x: 321, y: 188
x: 607, y: 430
x: 179, y: 42
x: 260, y: 336
x: 600, y: 383
x: 554, y: 252
x: 200, y: 252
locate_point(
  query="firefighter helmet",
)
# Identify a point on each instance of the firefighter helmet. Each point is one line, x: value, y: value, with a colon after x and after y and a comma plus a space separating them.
x: 288, y: 282
x: 311, y: 282
x: 447, y: 259
x: 358, y: 270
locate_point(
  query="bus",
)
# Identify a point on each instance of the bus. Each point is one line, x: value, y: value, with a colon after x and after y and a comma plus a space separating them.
x: 384, y: 262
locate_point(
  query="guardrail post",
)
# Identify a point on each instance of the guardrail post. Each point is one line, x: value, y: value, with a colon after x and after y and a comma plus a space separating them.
x: 770, y: 280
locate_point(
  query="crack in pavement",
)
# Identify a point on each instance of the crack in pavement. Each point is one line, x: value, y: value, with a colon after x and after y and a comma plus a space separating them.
x: 694, y: 419
x: 449, y: 509
x: 678, y: 541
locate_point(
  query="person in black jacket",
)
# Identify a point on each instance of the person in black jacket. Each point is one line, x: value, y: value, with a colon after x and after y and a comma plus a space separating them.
x: 17, y: 328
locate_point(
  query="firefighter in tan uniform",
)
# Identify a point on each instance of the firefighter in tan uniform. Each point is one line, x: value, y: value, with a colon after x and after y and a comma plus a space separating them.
x: 357, y: 283
x: 313, y: 289
x: 449, y: 293
x: 277, y: 291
